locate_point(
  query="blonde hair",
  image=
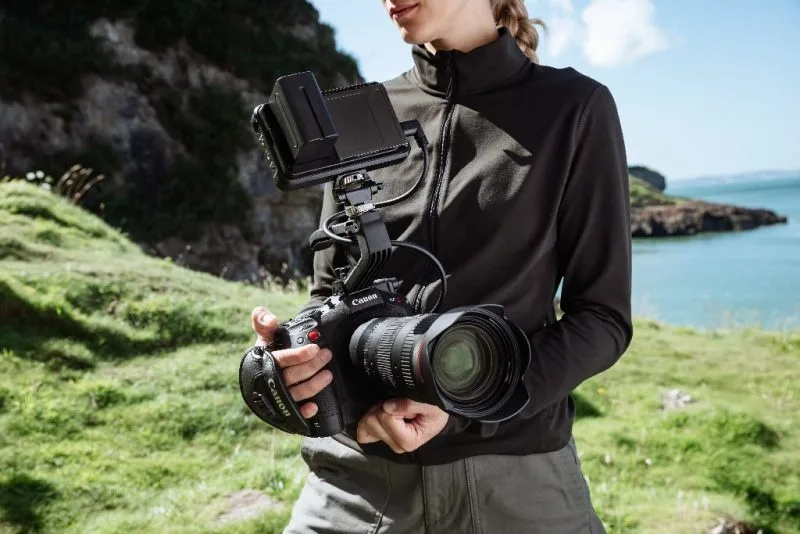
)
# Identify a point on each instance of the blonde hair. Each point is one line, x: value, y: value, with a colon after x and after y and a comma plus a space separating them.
x: 513, y: 15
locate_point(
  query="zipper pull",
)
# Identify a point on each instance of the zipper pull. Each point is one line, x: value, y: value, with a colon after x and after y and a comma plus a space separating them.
x: 452, y: 86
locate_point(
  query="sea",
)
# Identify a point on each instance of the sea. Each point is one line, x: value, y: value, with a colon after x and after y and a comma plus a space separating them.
x: 726, y: 280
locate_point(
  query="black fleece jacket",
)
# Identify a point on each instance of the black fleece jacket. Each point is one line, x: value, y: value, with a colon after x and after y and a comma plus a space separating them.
x: 527, y: 189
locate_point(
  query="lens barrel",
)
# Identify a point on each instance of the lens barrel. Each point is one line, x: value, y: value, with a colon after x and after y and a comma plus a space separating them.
x: 469, y: 361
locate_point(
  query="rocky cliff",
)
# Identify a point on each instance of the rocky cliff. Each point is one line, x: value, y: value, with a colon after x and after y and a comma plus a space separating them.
x: 655, y: 214
x: 157, y: 96
x: 693, y: 217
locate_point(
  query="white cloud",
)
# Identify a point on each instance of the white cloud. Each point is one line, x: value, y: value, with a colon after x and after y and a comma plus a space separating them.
x: 620, y: 31
x: 562, y: 5
x: 561, y: 32
x: 561, y: 28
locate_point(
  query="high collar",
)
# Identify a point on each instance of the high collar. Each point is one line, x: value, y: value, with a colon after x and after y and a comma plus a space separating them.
x: 450, y: 73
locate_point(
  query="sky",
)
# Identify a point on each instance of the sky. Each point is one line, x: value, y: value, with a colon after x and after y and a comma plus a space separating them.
x: 703, y: 87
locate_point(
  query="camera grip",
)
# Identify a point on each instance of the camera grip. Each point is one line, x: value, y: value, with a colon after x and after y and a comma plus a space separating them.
x: 264, y: 392
x: 328, y: 419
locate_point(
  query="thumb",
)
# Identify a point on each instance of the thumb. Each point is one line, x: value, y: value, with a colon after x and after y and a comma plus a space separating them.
x: 264, y: 323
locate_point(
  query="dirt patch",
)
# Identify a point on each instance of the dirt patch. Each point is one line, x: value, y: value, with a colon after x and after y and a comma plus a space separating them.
x: 246, y: 504
x: 726, y: 526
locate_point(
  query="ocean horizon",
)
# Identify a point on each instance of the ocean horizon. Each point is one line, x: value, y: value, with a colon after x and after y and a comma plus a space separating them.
x: 729, y: 279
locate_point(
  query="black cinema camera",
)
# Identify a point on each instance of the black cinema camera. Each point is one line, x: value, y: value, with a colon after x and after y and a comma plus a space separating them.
x: 469, y: 361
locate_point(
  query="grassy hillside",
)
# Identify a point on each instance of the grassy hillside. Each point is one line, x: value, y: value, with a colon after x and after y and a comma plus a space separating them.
x: 644, y: 194
x: 120, y: 411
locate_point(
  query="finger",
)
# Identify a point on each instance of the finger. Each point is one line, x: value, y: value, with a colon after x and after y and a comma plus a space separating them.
x: 312, y: 386
x: 403, y: 435
x: 407, y: 408
x: 372, y: 427
x: 295, y: 356
x: 264, y: 323
x: 363, y: 435
x: 309, y: 409
x: 297, y: 373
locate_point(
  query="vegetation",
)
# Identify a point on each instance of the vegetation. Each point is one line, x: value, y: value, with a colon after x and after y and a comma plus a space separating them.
x: 47, y: 47
x: 643, y: 194
x: 120, y: 410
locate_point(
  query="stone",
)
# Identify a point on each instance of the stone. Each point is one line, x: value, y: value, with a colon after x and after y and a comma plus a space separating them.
x: 675, y: 399
x: 220, y: 250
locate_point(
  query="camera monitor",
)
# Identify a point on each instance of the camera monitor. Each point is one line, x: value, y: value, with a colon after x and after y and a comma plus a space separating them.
x: 311, y: 137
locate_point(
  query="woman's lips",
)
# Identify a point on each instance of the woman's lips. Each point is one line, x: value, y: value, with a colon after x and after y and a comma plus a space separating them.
x: 401, y: 13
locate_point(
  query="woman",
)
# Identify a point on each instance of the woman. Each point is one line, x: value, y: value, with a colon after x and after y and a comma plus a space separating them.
x: 528, y: 188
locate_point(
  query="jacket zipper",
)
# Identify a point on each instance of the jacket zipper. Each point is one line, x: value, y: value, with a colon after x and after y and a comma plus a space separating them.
x: 433, y: 202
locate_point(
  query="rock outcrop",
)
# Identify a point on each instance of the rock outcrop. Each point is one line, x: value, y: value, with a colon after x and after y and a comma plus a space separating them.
x: 169, y: 127
x: 692, y: 217
x: 656, y: 214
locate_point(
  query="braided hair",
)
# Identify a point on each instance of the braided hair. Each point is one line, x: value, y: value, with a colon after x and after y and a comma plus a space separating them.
x: 513, y: 15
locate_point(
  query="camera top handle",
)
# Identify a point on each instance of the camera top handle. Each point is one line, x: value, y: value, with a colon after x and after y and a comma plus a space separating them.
x: 360, y: 223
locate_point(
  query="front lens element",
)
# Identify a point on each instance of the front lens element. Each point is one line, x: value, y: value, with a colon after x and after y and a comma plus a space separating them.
x: 461, y: 360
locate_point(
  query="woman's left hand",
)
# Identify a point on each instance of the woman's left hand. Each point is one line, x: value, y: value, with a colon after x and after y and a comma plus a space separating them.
x: 403, y: 424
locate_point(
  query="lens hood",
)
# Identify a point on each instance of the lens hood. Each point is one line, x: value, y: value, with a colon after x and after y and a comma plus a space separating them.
x: 515, y: 396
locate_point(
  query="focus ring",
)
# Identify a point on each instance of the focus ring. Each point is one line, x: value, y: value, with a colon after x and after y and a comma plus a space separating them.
x: 406, y: 361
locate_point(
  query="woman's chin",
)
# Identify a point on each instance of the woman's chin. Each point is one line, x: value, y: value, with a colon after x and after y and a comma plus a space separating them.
x: 412, y: 36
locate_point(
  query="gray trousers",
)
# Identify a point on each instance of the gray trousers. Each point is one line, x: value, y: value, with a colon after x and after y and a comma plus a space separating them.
x: 348, y: 492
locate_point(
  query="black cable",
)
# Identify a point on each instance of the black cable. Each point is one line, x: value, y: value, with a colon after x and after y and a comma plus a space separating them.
x: 436, y: 262
x: 423, y: 144
x: 328, y: 232
x: 410, y: 128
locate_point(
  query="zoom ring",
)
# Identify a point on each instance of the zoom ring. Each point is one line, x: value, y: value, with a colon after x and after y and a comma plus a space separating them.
x: 406, y: 374
x: 383, y: 352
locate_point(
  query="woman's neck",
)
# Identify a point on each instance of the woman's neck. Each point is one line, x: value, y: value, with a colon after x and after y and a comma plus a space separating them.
x: 470, y: 31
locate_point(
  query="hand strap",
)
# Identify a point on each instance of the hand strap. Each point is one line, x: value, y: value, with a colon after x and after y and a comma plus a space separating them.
x: 265, y: 393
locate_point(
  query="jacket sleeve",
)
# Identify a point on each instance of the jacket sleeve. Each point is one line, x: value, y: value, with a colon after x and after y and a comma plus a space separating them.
x: 594, y: 254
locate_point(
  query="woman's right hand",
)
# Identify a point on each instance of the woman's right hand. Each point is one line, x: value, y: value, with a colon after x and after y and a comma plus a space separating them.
x: 300, y: 367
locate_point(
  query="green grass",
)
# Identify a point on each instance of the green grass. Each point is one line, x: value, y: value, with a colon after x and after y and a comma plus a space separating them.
x: 733, y: 452
x: 644, y: 194
x: 120, y: 411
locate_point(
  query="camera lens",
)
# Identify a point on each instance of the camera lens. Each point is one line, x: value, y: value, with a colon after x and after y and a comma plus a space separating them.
x: 470, y: 361
x: 463, y: 357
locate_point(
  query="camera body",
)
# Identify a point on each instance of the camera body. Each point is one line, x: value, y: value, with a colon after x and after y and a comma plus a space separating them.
x: 330, y: 326
x: 382, y: 348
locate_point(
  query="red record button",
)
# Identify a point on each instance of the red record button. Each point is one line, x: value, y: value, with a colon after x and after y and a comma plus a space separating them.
x: 313, y: 335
